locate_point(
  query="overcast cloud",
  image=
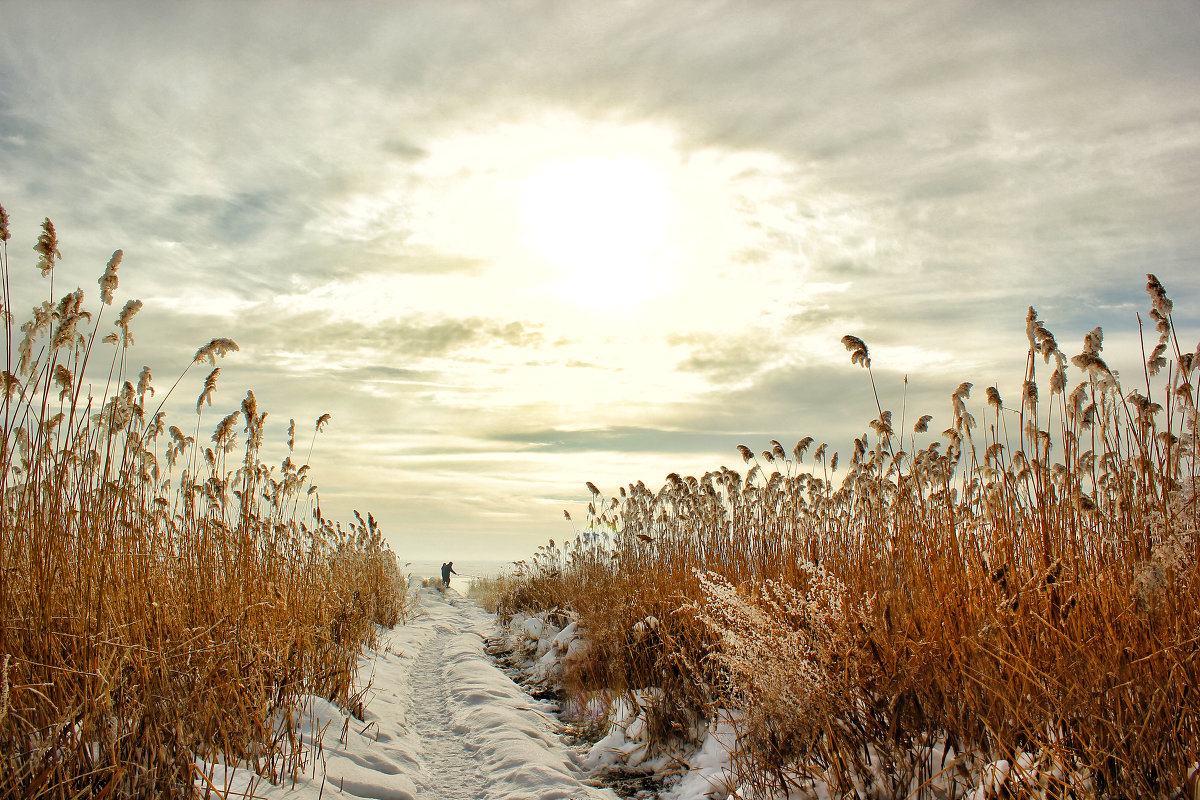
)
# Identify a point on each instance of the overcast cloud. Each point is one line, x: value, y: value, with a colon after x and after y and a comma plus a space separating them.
x: 365, y: 197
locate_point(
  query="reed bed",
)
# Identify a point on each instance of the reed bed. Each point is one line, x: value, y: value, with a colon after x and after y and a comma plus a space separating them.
x: 165, y: 596
x: 1011, y: 606
x: 489, y: 591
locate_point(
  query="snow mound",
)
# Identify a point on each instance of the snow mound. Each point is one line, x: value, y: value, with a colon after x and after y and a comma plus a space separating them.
x: 440, y: 721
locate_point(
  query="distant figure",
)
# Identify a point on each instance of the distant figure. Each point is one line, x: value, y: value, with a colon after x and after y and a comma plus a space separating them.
x: 447, y: 571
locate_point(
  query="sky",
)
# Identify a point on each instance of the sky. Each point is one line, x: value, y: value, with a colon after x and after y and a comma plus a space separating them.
x: 512, y: 247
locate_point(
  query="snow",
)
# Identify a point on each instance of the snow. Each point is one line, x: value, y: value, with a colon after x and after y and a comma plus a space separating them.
x: 709, y: 774
x: 440, y: 720
x: 701, y: 772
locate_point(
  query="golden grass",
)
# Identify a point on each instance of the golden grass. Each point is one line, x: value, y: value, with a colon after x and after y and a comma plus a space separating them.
x: 162, y: 597
x: 489, y: 591
x: 1022, y: 588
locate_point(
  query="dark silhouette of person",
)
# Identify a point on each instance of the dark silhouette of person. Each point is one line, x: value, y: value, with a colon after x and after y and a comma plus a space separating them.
x: 447, y: 571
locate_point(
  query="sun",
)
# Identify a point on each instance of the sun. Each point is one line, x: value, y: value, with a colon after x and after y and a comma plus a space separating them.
x: 604, y: 225
x: 567, y: 218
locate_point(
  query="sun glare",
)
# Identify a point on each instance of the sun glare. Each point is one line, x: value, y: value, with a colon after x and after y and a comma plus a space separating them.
x: 603, y: 224
x: 566, y: 218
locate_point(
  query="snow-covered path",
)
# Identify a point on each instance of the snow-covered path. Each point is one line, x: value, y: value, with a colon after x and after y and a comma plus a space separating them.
x: 440, y: 722
x: 457, y: 773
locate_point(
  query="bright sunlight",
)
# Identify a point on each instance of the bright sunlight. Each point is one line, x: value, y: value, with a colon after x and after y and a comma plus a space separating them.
x: 604, y: 224
x: 568, y: 218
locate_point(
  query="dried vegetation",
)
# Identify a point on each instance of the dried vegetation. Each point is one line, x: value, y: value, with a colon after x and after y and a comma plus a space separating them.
x: 163, y: 597
x: 1011, y: 608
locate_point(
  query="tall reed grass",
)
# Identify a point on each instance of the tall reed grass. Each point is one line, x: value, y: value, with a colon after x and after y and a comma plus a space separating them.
x: 489, y: 591
x: 1012, y: 605
x: 165, y: 596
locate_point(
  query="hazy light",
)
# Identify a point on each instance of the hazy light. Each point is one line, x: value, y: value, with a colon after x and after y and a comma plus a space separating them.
x: 604, y: 224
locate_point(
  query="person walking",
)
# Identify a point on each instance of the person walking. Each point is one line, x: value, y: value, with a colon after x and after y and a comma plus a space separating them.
x: 447, y: 571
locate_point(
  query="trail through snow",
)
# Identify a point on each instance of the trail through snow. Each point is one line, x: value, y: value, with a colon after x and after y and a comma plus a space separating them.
x: 440, y: 722
x: 457, y: 773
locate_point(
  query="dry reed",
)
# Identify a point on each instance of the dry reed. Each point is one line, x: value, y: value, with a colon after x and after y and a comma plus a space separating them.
x: 163, y: 598
x: 1013, y: 605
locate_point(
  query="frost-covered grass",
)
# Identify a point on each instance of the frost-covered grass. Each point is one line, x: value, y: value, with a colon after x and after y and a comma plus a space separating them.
x: 1011, y: 607
x: 163, y: 601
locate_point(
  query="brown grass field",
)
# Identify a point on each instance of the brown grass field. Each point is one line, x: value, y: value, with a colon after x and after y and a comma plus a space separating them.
x: 1022, y: 587
x: 164, y: 595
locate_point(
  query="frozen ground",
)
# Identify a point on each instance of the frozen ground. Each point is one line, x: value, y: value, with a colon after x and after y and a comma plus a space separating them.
x: 440, y: 722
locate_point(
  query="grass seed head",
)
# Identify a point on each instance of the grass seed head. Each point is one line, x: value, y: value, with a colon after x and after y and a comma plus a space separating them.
x: 108, y: 281
x: 47, y: 247
x: 217, y: 348
x: 858, y: 350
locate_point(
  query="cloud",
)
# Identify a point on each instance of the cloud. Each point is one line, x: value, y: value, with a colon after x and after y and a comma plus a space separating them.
x: 982, y: 136
x: 408, y: 339
x: 916, y: 173
x: 622, y: 439
x: 726, y: 360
